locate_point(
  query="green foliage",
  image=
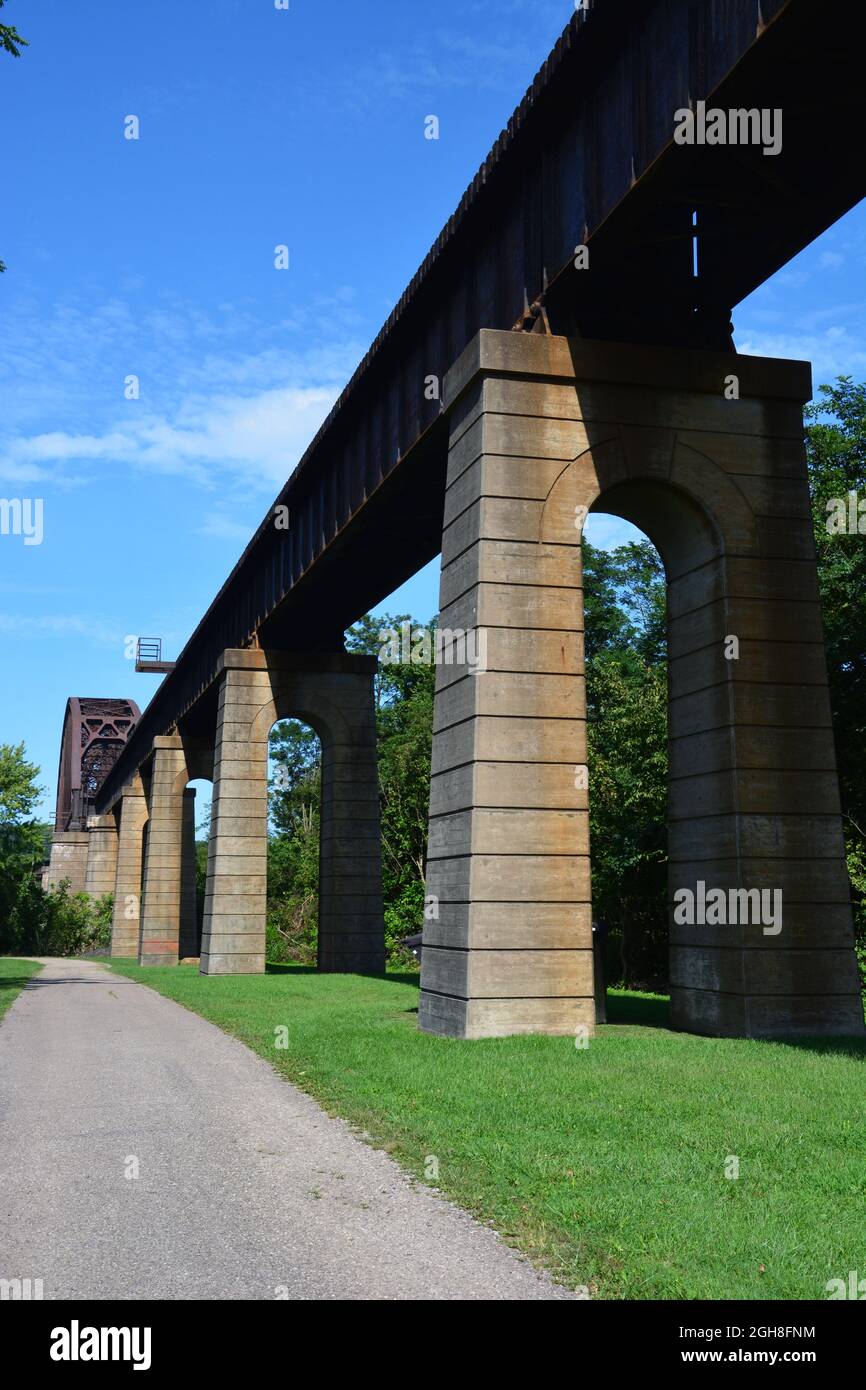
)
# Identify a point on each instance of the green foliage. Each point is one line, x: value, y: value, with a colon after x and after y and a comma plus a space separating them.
x: 53, y: 923
x: 21, y: 845
x: 856, y: 855
x: 626, y: 687
x: 72, y: 924
x: 404, y: 916
x: 201, y: 849
x: 293, y: 848
x: 12, y: 42
x: 292, y: 930
x: 625, y: 608
x: 404, y: 713
x: 404, y: 718
x: 19, y: 792
x: 836, y: 452
x: 405, y: 737
x: 627, y: 735
x: 10, y: 39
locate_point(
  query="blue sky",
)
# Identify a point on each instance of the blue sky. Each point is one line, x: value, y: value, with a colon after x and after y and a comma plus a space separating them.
x: 154, y: 257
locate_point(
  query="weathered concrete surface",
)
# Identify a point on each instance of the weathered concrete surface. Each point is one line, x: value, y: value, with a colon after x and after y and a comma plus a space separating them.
x: 189, y: 940
x: 101, y: 856
x: 542, y: 431
x: 245, y: 1186
x: 68, y: 861
x: 161, y: 894
x: 126, y: 923
x: 333, y: 692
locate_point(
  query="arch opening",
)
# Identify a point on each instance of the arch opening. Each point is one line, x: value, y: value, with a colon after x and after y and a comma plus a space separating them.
x: 625, y: 658
x: 294, y: 842
x: 655, y: 696
x: 195, y: 834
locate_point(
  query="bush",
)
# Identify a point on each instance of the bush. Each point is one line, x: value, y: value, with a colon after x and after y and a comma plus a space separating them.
x: 72, y: 924
x: 855, y: 848
x: 292, y: 930
x: 404, y: 918
x: 56, y: 922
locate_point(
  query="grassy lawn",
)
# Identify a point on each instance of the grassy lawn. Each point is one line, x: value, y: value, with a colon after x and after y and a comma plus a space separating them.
x: 14, y: 975
x: 606, y: 1164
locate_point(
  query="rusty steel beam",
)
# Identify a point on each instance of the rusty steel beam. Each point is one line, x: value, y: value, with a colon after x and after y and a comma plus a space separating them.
x: 588, y: 157
x: 95, y: 734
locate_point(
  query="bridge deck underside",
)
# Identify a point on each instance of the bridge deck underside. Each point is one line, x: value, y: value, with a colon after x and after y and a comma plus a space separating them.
x: 589, y: 156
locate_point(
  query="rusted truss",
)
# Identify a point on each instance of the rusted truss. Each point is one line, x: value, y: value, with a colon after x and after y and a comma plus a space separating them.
x: 95, y: 733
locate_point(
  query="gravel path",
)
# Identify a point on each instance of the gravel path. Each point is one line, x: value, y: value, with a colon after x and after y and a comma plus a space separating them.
x: 246, y: 1189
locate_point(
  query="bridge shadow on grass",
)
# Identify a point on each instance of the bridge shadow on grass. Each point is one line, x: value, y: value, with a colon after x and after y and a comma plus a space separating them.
x: 645, y: 1010
x: 653, y: 1011
x: 288, y: 968
x: 410, y: 977
x: 855, y: 1048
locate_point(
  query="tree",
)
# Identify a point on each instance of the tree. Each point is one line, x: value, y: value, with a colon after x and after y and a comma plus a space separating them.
x: 19, y: 792
x: 404, y: 716
x: 57, y: 922
x: 625, y: 606
x: 294, y: 807
x: 836, y: 454
x: 404, y: 719
x: 21, y: 838
x: 12, y: 42
x: 21, y: 843
x: 626, y: 690
x: 10, y: 39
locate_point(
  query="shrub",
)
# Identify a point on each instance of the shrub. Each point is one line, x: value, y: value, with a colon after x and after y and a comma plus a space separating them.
x: 73, y: 924
x: 292, y: 930
x: 856, y: 855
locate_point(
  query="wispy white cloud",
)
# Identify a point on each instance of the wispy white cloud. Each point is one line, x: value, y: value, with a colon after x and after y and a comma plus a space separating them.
x: 223, y: 526
x: 25, y: 626
x: 256, y: 440
x: 224, y: 401
x: 503, y: 55
x: 835, y: 352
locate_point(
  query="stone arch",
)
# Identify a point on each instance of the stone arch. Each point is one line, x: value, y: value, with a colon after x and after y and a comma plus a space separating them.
x: 168, y: 913
x: 562, y: 427
x: 333, y: 694
x: 673, y: 496
x: 323, y: 715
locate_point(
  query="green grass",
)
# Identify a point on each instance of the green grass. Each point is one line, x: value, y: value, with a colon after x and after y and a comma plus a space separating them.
x: 606, y: 1165
x: 14, y: 975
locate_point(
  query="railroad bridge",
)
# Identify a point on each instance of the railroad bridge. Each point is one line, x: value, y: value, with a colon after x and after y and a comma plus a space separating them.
x: 565, y: 346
